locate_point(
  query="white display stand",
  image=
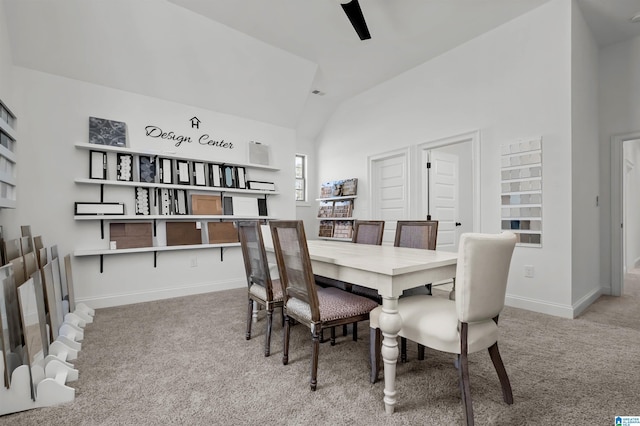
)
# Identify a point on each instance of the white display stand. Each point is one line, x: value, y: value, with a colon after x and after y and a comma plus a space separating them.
x: 49, y: 384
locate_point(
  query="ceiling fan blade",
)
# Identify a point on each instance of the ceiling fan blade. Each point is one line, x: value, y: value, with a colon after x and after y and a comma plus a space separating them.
x: 354, y: 13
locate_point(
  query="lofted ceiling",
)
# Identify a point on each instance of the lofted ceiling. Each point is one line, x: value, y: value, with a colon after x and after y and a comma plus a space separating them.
x: 261, y: 59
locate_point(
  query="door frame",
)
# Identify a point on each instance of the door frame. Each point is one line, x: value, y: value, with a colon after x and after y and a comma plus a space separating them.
x: 617, y: 211
x: 474, y: 138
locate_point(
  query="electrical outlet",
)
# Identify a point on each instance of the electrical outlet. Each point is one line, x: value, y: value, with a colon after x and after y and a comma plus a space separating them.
x: 194, y: 262
x: 528, y: 271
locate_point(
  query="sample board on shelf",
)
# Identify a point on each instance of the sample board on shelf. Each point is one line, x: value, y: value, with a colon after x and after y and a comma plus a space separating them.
x: 336, y: 208
x: 521, y: 195
x: 163, y: 192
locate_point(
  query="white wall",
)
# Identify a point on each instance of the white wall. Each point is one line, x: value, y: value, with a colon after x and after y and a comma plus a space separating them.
x: 619, y: 113
x: 6, y: 62
x: 586, y: 286
x: 56, y: 113
x: 510, y: 83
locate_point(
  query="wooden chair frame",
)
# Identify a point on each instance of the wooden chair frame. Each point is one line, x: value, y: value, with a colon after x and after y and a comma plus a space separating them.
x: 245, y: 229
x: 308, y: 294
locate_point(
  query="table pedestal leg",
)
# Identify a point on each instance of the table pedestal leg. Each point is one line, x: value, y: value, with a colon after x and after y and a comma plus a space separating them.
x: 390, y: 324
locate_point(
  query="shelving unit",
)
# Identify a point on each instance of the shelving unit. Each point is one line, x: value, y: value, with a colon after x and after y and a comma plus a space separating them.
x: 336, y: 209
x: 203, y: 223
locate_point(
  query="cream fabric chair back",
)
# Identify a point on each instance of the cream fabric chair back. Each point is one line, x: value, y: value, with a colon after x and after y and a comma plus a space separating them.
x: 481, y: 275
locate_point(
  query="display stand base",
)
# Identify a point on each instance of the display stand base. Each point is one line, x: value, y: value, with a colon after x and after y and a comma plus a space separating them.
x: 50, y: 388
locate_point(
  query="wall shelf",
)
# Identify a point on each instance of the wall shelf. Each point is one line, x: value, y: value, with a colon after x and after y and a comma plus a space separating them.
x: 173, y: 206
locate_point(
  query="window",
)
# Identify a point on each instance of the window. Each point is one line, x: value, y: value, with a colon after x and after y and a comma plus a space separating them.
x: 301, y: 177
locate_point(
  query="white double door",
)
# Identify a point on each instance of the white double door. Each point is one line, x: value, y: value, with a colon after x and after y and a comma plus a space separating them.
x: 441, y: 189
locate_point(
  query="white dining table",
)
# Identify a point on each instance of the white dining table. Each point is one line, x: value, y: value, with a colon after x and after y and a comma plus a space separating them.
x: 389, y: 270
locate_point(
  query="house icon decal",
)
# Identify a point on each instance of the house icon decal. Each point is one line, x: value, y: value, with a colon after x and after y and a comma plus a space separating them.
x: 618, y: 421
x: 195, y: 123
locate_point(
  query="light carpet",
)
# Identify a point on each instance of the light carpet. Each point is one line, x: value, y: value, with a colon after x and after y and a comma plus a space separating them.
x: 186, y: 361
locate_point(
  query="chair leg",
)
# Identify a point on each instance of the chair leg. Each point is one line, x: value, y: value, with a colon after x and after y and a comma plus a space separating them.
x: 428, y: 287
x: 403, y: 349
x: 464, y: 376
x: 375, y: 341
x: 285, y: 339
x: 315, y: 337
x: 507, y: 395
x: 355, y: 331
x: 420, y: 352
x: 249, y: 319
x: 333, y: 336
x: 267, y: 341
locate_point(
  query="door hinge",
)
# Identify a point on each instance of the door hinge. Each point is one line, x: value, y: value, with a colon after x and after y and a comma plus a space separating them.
x: 428, y: 164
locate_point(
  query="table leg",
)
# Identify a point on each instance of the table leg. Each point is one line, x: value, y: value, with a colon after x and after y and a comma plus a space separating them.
x: 390, y: 324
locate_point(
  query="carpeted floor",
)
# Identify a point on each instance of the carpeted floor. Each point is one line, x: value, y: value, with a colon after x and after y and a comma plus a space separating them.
x: 186, y: 361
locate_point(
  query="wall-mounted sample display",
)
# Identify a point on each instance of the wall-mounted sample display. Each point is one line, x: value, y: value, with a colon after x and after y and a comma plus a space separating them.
x: 143, y: 202
x: 222, y: 232
x: 258, y: 153
x: 199, y: 191
x: 202, y: 204
x: 99, y: 208
x: 183, y: 176
x: 125, y: 167
x: 147, y: 168
x: 107, y: 132
x: 521, y: 194
x: 166, y: 170
x: 183, y: 233
x: 229, y: 178
x: 97, y: 165
x: 199, y: 174
x: 130, y: 235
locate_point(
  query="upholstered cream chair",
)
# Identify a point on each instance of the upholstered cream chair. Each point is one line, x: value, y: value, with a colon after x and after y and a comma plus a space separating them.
x: 470, y: 322
x: 313, y: 306
x: 261, y: 288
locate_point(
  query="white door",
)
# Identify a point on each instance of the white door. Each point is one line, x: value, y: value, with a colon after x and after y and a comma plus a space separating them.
x: 389, y: 191
x: 443, y: 203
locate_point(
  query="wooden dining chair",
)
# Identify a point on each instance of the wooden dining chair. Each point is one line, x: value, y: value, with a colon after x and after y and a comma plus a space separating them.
x: 368, y: 232
x: 262, y: 290
x: 470, y: 322
x: 421, y: 234
x: 315, y: 307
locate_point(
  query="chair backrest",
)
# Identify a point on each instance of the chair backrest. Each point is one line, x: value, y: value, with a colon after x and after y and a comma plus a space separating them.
x: 481, y: 274
x: 368, y: 232
x: 255, y: 256
x: 422, y: 234
x: 294, y: 263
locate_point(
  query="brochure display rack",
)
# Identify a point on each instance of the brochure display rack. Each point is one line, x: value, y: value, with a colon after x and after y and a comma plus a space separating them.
x: 336, y: 209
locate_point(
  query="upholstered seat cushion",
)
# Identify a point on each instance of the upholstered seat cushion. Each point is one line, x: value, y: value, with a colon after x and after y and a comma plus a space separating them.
x: 433, y: 322
x: 261, y: 292
x: 334, y: 304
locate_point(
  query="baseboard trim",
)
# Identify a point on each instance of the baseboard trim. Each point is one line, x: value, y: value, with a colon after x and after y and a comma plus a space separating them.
x: 158, y: 294
x: 535, y: 305
x: 586, y: 301
x: 555, y: 309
